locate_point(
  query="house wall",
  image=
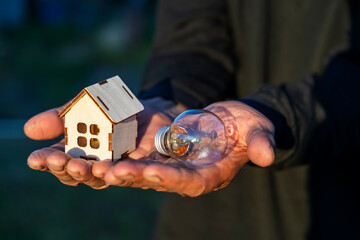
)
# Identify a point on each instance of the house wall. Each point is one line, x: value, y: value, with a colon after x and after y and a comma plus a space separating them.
x: 86, y: 111
x: 124, y: 137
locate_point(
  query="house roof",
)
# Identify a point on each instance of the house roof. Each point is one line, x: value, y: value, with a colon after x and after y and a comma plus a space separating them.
x: 113, y: 98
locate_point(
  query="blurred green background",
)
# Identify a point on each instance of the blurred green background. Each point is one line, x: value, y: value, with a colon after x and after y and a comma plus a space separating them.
x: 49, y: 51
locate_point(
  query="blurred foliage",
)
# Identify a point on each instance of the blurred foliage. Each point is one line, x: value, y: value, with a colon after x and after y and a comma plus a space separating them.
x: 57, y: 49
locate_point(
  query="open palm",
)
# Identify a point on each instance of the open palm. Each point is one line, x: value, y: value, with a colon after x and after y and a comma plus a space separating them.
x: 74, y: 171
x: 250, y: 137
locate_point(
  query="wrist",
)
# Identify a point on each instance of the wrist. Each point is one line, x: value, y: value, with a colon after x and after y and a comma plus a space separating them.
x: 279, y: 121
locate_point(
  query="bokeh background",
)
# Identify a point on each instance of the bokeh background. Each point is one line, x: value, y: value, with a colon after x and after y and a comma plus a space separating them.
x: 49, y: 51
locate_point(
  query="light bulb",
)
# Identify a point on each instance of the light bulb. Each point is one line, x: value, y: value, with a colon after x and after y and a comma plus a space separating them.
x: 197, y: 137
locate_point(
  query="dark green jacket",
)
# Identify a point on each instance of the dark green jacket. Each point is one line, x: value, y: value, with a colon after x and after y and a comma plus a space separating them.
x: 298, y: 62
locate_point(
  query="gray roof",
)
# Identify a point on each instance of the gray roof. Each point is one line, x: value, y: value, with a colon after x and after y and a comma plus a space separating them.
x: 115, y: 99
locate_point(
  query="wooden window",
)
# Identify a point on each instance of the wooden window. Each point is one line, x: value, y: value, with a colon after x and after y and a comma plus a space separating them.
x: 94, y: 129
x: 94, y: 143
x: 81, y: 127
x: 82, y: 141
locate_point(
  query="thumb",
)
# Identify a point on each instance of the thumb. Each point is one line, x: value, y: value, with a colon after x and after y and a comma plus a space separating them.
x: 45, y: 125
x: 260, y: 148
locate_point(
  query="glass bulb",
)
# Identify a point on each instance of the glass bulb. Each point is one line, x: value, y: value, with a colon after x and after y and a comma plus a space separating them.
x: 197, y: 137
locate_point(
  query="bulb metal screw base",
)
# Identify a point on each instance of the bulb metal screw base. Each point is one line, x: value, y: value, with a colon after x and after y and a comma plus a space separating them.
x: 159, y: 140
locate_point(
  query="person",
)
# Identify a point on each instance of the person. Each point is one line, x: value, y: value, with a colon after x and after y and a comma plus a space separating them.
x: 292, y: 121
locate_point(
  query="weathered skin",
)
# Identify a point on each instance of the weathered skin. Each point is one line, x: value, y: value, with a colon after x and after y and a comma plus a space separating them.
x: 251, y: 138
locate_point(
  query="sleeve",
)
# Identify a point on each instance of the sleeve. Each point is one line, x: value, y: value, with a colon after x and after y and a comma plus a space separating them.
x: 318, y: 117
x: 191, y: 60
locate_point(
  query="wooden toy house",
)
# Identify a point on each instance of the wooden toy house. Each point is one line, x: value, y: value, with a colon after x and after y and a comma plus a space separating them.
x: 101, y: 121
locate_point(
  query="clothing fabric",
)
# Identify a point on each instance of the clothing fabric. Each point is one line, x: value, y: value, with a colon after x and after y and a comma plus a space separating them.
x: 297, y: 62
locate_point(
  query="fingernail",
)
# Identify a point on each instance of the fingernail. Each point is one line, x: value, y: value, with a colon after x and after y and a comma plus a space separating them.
x: 128, y: 177
x: 99, y: 174
x: 75, y: 175
x: 56, y: 162
x: 154, y: 178
x: 57, y: 168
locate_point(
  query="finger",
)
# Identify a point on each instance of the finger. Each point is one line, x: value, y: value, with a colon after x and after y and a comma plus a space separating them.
x: 140, y: 152
x: 260, y: 148
x: 59, y: 146
x: 181, y: 180
x: 56, y: 163
x: 46, y: 125
x: 81, y: 170
x: 130, y: 174
x: 100, y: 168
x: 37, y: 159
x: 125, y: 172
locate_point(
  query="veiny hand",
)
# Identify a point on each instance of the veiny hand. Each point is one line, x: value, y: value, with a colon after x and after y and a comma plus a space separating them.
x: 251, y: 137
x: 74, y: 171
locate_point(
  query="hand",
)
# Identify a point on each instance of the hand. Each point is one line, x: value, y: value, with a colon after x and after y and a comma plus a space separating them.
x: 251, y: 137
x: 74, y: 171
x: 70, y: 171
